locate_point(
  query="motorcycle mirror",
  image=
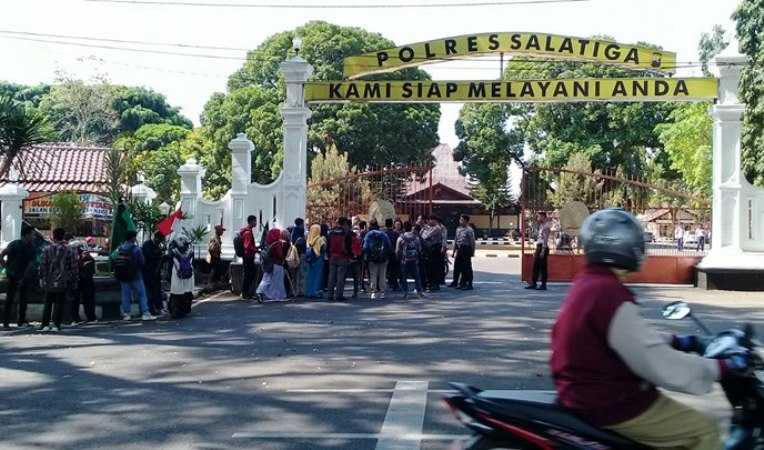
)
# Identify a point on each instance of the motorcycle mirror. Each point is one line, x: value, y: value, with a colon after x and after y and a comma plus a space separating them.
x: 676, y: 310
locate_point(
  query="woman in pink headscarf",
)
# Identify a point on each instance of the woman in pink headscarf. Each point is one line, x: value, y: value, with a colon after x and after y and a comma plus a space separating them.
x: 272, y: 285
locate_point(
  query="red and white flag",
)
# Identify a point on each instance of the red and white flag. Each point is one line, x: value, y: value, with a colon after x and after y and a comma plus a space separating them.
x: 168, y: 225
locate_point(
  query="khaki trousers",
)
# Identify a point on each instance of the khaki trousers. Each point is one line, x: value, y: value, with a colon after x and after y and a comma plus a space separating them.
x: 668, y: 424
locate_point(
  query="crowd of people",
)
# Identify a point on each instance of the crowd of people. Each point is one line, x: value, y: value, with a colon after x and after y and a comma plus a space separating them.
x: 315, y: 261
x: 66, y: 277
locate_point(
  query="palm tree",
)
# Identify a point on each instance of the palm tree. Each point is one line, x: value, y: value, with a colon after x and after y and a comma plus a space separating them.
x: 20, y: 127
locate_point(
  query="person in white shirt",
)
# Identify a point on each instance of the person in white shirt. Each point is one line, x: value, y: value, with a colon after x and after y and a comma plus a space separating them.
x: 700, y: 234
x: 679, y: 236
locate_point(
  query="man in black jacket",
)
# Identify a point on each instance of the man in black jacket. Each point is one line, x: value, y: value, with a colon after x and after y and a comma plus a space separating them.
x: 15, y: 259
x: 153, y: 251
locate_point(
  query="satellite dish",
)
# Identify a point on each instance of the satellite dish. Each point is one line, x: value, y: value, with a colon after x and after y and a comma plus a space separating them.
x: 572, y: 216
x: 381, y: 210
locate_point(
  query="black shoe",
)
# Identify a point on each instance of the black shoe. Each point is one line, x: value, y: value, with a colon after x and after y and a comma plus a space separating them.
x: 541, y: 288
x: 454, y: 285
x: 531, y: 286
x: 342, y: 299
x: 465, y: 288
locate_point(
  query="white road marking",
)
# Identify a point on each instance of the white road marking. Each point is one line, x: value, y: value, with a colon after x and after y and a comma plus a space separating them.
x: 405, y: 417
x: 413, y: 437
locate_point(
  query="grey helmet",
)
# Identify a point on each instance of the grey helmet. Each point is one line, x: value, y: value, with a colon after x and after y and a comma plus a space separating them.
x: 613, y: 237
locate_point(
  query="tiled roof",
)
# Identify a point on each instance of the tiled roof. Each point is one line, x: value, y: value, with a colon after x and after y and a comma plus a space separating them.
x: 62, y: 166
x: 445, y: 172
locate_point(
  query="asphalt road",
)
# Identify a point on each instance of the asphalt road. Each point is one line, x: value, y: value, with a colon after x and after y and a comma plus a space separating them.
x: 298, y: 375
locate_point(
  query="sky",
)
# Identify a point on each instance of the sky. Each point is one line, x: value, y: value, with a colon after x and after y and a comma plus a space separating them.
x: 188, y: 82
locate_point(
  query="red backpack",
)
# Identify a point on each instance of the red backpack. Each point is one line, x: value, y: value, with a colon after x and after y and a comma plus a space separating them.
x: 357, y: 247
x: 337, y: 245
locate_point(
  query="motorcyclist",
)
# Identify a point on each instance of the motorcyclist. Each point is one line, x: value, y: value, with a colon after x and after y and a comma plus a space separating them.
x: 607, y: 362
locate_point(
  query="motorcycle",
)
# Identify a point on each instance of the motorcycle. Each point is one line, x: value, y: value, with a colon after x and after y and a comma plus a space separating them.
x: 525, y: 420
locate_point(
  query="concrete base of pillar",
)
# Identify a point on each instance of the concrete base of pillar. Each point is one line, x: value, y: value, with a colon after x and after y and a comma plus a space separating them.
x: 731, y: 271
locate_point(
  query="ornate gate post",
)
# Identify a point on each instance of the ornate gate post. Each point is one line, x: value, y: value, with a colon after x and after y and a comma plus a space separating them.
x: 737, y: 253
x: 296, y: 114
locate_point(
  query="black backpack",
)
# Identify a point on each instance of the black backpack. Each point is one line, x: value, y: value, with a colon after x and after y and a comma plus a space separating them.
x: 266, y: 259
x: 238, y: 245
x: 409, y: 250
x: 378, y: 253
x: 124, y: 266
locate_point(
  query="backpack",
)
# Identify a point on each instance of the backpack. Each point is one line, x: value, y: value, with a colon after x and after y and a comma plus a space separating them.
x: 377, y: 253
x: 293, y: 258
x: 238, y: 245
x: 267, y: 259
x: 185, y: 268
x: 409, y: 251
x: 337, y: 248
x: 57, y: 278
x: 356, y: 247
x: 124, y: 265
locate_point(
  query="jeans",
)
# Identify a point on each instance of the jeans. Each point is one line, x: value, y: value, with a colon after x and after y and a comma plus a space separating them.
x: 393, y: 274
x: 377, y: 277
x: 59, y: 300
x: 337, y: 272
x: 248, y: 283
x: 153, y: 283
x: 680, y: 244
x: 540, y: 264
x: 357, y: 271
x: 15, y: 286
x: 410, y: 269
x: 87, y: 297
x: 134, y: 287
x: 701, y: 243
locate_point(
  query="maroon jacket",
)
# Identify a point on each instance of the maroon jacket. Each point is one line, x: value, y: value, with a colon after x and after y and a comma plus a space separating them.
x: 591, y: 379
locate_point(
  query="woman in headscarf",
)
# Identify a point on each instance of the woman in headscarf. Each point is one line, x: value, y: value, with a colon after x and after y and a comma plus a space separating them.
x: 272, y: 285
x: 182, y: 279
x: 314, y: 259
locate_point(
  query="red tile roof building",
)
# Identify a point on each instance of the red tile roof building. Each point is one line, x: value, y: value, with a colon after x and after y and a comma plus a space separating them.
x: 62, y: 167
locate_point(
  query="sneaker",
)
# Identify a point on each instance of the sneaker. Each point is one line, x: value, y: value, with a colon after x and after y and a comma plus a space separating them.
x: 126, y: 317
x: 260, y: 298
x: 45, y: 329
x: 420, y: 294
x: 373, y: 295
x: 55, y: 329
x: 541, y: 288
x: 381, y: 295
x: 531, y: 286
x: 147, y: 316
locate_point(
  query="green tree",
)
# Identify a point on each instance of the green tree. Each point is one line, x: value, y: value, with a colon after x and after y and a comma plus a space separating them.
x: 31, y: 95
x: 20, y: 126
x: 749, y: 24
x: 80, y: 111
x: 494, y: 193
x: 710, y: 45
x: 369, y: 134
x: 576, y: 185
x: 138, y: 106
x: 688, y: 141
x: 67, y: 211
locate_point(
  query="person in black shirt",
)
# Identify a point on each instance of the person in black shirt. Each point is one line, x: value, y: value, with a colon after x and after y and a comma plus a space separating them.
x: 153, y: 250
x: 16, y: 259
x: 393, y: 265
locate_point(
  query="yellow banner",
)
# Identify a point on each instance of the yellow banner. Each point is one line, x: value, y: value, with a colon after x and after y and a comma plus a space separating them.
x: 583, y: 89
x: 531, y: 44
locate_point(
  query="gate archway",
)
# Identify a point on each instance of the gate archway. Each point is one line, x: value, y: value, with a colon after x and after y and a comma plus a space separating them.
x: 738, y: 208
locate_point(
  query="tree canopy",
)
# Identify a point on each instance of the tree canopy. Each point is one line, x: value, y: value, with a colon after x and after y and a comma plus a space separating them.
x: 750, y: 23
x: 369, y: 134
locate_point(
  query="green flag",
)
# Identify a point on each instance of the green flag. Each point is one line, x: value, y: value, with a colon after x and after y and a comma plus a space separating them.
x: 120, y: 225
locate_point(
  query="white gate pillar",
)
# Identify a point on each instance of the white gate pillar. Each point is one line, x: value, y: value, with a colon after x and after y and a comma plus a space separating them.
x: 738, y: 208
x: 296, y: 114
x: 11, y: 195
x: 191, y: 174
